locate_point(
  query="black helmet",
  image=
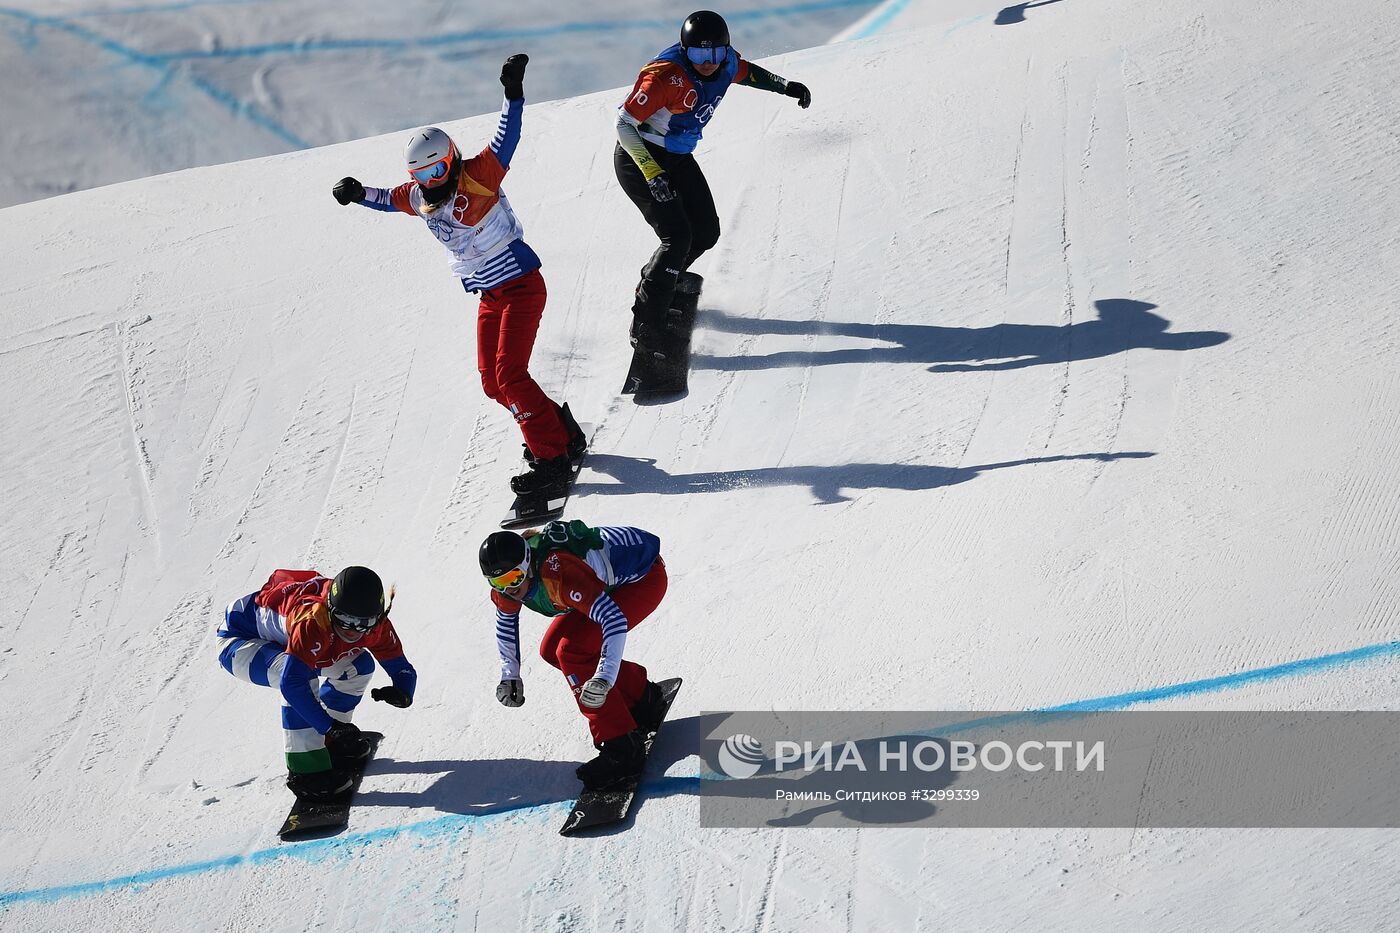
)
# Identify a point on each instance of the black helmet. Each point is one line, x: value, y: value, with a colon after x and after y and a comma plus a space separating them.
x: 704, y: 29
x: 503, y: 551
x: 356, y: 599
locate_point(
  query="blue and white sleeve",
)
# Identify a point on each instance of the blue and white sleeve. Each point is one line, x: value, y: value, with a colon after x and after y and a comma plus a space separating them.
x: 508, y: 643
x: 295, y: 685
x: 507, y: 131
x: 378, y: 198
x: 614, y: 623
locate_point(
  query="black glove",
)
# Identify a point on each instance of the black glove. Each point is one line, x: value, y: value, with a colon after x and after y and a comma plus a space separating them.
x: 344, y: 739
x: 511, y: 693
x: 661, y: 189
x: 799, y: 90
x: 513, y: 76
x: 393, y: 696
x: 348, y: 191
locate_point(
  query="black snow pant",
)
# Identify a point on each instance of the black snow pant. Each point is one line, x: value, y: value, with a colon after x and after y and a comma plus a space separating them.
x: 687, y: 224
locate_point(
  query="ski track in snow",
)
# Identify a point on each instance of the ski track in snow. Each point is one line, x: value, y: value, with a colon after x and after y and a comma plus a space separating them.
x: 133, y: 405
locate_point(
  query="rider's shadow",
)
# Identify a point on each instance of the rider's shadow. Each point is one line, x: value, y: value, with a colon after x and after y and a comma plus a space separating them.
x: 1122, y: 324
x: 1017, y: 14
x: 828, y: 483
x: 477, y: 787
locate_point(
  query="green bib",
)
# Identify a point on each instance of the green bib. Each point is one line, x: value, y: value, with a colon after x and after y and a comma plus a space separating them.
x: 573, y: 536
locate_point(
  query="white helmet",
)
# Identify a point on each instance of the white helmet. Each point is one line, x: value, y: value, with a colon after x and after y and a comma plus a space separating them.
x: 432, y: 162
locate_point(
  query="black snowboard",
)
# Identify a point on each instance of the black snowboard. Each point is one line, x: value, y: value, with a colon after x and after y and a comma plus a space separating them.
x: 665, y: 370
x: 651, y: 376
x: 528, y: 511
x: 309, y: 820
x: 596, y: 808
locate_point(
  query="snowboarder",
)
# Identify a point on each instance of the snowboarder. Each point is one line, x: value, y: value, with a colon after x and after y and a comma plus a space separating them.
x: 301, y: 628
x: 597, y: 584
x: 464, y: 207
x: 658, y: 127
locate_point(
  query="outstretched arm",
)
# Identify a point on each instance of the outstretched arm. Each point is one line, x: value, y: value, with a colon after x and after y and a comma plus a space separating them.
x: 350, y: 191
x: 757, y: 76
x: 508, y: 129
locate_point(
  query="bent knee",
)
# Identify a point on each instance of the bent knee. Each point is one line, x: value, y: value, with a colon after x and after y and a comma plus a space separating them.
x: 704, y: 235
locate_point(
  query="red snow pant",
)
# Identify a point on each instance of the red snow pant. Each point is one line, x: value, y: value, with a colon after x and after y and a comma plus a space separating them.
x: 574, y: 642
x: 506, y: 324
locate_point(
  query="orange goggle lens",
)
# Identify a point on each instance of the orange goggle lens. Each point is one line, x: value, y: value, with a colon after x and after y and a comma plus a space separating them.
x: 429, y: 174
x: 512, y: 577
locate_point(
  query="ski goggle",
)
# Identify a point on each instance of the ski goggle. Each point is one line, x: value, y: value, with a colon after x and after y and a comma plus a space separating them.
x: 356, y: 623
x: 429, y: 174
x: 707, y: 56
x: 512, y: 577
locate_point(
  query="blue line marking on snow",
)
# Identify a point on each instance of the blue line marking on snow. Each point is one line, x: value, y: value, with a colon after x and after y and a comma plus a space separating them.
x: 883, y: 16
x: 434, y: 40
x: 319, y: 849
x: 178, y: 6
x: 237, y: 107
x: 1233, y: 681
x: 881, y: 19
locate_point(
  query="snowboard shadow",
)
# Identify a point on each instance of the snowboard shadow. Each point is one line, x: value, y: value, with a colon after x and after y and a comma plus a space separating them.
x: 1017, y: 13
x: 827, y: 483
x: 477, y: 787
x: 483, y: 787
x: 1122, y: 324
x: 689, y: 736
x: 686, y: 737
x: 817, y: 792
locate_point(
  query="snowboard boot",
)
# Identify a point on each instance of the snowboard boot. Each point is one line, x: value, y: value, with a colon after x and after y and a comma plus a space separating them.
x: 650, y: 709
x: 350, y: 761
x: 545, y: 478
x: 618, y: 759
x: 319, y: 786
x: 578, y: 441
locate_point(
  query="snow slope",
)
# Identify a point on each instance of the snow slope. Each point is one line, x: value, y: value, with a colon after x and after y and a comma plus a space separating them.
x: 1039, y: 364
x: 104, y: 90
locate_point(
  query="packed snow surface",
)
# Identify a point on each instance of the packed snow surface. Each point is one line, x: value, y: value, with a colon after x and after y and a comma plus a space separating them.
x: 1040, y: 361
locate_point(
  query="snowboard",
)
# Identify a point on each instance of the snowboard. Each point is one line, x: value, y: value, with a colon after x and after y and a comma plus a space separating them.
x: 528, y: 511
x: 611, y: 804
x: 310, y: 819
x: 651, y: 375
